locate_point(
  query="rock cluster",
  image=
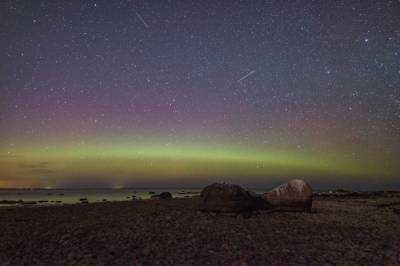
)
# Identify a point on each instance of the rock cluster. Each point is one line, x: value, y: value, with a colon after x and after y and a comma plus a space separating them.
x: 295, y: 195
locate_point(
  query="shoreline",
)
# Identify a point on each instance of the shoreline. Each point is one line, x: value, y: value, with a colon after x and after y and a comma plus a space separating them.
x: 191, y: 194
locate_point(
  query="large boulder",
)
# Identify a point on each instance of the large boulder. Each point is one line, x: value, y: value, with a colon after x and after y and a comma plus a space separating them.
x: 295, y: 195
x: 227, y: 198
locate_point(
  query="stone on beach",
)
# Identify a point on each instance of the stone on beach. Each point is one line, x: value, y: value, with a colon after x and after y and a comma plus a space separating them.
x: 226, y: 198
x: 163, y: 195
x: 84, y: 200
x: 295, y: 195
x: 29, y: 202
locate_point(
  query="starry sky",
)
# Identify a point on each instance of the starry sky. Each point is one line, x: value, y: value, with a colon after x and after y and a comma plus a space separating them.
x: 183, y: 93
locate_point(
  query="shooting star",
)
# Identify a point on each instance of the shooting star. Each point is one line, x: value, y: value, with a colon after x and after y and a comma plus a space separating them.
x: 246, y: 76
x: 395, y: 100
x: 142, y: 20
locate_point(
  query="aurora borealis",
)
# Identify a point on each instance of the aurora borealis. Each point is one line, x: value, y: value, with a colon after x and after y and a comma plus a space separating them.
x: 183, y: 93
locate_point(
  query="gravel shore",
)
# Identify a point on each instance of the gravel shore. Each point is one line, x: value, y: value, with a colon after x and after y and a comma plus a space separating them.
x: 338, y: 231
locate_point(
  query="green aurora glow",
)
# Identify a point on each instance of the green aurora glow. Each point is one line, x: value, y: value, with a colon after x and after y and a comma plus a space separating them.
x: 135, y: 163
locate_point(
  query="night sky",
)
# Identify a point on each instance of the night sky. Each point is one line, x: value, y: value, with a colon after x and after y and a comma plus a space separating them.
x: 183, y: 93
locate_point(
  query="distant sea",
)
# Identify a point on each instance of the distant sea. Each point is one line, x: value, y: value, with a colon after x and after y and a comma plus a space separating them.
x: 61, y: 196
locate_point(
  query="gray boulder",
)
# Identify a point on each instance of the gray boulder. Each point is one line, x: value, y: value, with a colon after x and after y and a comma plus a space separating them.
x: 227, y: 198
x: 295, y: 195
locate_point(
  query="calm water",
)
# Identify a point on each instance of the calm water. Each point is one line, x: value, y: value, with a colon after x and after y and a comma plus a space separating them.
x: 93, y: 195
x: 52, y: 196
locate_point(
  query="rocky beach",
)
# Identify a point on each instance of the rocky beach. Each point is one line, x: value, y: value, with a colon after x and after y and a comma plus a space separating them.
x: 341, y: 229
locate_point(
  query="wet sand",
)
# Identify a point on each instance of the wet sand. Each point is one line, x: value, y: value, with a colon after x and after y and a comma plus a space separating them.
x: 339, y: 231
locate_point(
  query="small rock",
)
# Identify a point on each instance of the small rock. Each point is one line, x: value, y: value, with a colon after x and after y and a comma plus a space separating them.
x: 163, y: 195
x: 29, y: 202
